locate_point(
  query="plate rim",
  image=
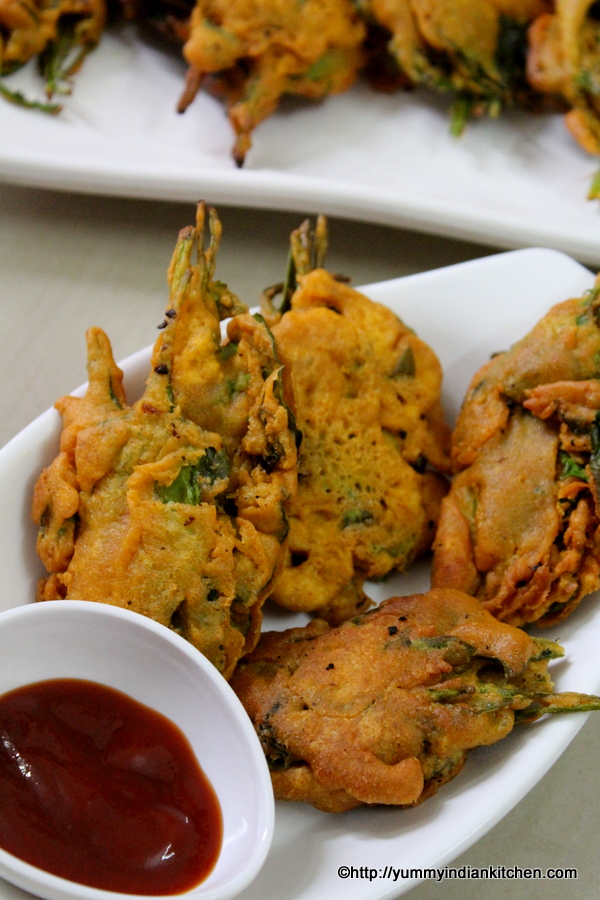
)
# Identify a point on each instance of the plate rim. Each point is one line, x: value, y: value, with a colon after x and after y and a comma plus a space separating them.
x: 70, y: 168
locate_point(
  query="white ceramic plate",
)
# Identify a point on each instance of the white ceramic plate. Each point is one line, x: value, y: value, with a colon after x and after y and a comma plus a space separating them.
x: 516, y: 181
x: 465, y: 312
x: 130, y: 653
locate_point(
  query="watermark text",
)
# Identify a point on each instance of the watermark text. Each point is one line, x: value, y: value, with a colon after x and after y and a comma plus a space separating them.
x: 450, y: 873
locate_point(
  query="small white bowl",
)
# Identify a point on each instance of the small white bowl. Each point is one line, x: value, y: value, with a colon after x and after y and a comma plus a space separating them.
x: 133, y: 654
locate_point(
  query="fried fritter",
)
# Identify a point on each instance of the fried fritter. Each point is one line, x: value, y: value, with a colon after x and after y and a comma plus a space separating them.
x: 564, y: 61
x: 520, y: 527
x: 366, y: 396
x: 147, y: 509
x: 474, y: 49
x: 60, y: 32
x: 257, y: 52
x: 384, y: 709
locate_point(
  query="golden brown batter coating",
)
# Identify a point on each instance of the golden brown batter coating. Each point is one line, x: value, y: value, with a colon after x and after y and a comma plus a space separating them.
x: 384, y: 708
x: 60, y: 32
x: 520, y: 527
x: 145, y: 508
x: 564, y: 61
x: 474, y: 49
x: 260, y: 51
x: 367, y: 399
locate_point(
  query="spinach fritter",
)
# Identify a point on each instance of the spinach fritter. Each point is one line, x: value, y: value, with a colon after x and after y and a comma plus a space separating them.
x: 59, y: 32
x: 564, y: 62
x: 385, y: 708
x: 254, y: 53
x: 475, y: 50
x: 520, y: 529
x: 366, y: 396
x: 146, y: 508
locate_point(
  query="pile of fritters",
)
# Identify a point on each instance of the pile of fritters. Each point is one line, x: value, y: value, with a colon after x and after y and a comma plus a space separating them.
x: 366, y: 397
x: 156, y: 509
x: 474, y: 50
x: 179, y: 507
x: 295, y: 463
x: 486, y: 54
x: 384, y: 709
x: 520, y: 529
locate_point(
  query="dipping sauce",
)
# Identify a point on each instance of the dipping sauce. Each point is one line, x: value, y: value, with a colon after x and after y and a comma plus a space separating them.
x: 104, y: 791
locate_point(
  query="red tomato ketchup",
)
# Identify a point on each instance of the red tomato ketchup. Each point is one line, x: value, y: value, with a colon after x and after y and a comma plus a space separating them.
x: 99, y: 789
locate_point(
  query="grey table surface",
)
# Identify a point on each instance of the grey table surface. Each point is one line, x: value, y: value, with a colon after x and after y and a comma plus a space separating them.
x: 71, y: 261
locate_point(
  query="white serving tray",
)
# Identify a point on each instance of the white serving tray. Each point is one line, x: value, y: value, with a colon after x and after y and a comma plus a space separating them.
x: 465, y: 312
x: 516, y: 181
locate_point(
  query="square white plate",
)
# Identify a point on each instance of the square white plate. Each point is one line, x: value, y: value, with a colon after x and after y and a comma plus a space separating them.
x: 465, y: 312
